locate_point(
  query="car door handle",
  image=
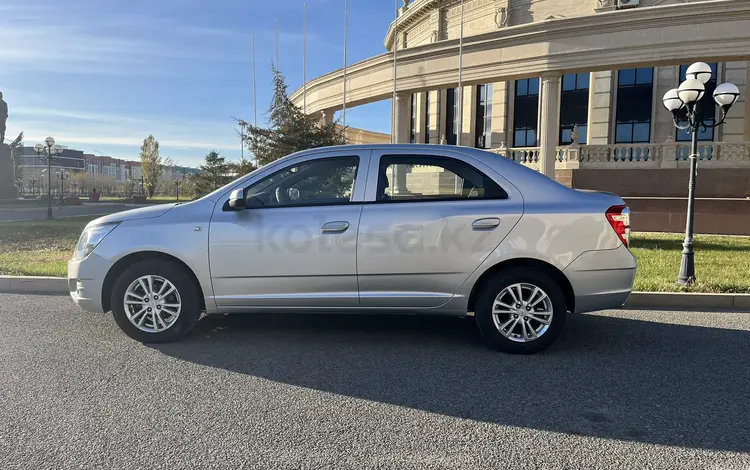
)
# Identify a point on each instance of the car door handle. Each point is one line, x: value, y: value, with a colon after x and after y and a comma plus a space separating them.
x: 484, y: 224
x: 335, y: 227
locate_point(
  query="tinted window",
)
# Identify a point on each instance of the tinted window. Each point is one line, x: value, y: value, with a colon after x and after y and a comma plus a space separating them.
x: 318, y: 182
x: 574, y: 107
x: 421, y: 178
x: 634, y: 97
x: 525, y: 112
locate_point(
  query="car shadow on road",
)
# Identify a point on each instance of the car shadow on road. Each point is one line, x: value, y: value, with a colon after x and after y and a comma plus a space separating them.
x: 607, y: 376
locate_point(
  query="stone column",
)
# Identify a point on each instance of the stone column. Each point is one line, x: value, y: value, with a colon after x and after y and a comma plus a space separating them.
x: 550, y: 123
x: 401, y: 118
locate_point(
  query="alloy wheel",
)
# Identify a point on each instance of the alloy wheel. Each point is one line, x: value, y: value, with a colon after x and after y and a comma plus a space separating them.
x: 152, y: 303
x: 522, y: 312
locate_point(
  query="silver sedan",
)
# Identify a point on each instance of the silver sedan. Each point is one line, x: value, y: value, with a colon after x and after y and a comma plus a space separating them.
x: 405, y: 229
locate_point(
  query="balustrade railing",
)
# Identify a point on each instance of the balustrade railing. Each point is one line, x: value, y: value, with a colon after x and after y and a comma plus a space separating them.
x: 667, y: 155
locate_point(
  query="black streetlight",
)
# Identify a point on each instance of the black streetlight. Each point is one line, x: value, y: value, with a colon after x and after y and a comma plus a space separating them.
x: 48, y: 150
x: 177, y: 188
x: 688, y: 95
x: 62, y: 175
x: 143, y: 191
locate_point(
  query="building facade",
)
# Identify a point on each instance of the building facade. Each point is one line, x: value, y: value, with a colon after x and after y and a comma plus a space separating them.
x: 572, y: 88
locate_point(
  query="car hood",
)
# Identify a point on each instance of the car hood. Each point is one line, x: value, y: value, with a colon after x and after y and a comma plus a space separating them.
x: 149, y: 212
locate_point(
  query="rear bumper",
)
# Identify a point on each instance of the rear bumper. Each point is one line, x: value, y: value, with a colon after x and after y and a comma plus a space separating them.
x: 602, y: 279
x: 85, y: 281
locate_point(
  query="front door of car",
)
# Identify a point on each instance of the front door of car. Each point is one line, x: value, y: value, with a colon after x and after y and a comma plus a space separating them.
x: 427, y: 224
x: 295, y: 246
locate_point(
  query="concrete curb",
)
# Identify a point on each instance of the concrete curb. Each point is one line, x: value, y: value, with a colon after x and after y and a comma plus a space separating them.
x: 687, y: 301
x: 678, y: 300
x: 33, y: 285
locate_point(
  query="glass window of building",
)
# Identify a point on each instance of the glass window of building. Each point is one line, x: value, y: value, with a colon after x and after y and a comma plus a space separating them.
x: 574, y: 107
x: 427, y: 117
x: 525, y: 112
x: 413, y: 120
x: 706, y: 107
x: 451, y: 118
x: 483, y: 124
x: 635, y: 89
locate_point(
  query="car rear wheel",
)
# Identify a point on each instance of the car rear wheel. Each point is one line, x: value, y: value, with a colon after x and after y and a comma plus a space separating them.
x: 521, y: 311
x: 155, y: 301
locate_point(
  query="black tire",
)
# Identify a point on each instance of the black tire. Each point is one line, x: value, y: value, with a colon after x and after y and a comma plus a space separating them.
x: 190, y: 309
x: 494, y: 286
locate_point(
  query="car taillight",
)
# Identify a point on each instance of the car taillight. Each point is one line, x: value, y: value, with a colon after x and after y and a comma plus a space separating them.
x: 619, y: 218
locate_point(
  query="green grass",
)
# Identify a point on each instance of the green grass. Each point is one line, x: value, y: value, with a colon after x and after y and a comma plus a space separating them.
x: 722, y: 264
x: 39, y: 247
x: 42, y: 248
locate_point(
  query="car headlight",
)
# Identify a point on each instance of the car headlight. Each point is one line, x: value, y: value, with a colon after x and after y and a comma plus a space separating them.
x: 91, y: 237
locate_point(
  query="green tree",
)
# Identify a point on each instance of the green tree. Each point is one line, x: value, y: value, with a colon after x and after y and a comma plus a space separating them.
x: 241, y: 168
x: 214, y: 173
x: 290, y: 130
x: 151, y: 164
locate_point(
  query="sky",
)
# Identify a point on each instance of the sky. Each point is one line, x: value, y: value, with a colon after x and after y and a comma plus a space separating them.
x: 101, y: 75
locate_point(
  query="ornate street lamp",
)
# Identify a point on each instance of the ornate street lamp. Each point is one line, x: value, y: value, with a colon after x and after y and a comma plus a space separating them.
x: 48, y: 151
x: 62, y: 175
x: 688, y: 96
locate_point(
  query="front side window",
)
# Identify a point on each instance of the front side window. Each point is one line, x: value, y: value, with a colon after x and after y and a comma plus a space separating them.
x: 525, y: 112
x: 483, y: 125
x: 635, y: 89
x: 425, y: 178
x: 326, y: 181
x: 574, y: 107
x: 706, y: 108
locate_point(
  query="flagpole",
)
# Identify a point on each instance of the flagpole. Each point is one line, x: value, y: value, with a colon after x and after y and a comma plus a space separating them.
x: 255, y: 89
x: 346, y: 25
x: 395, y: 48
x: 459, y: 131
x: 304, y: 58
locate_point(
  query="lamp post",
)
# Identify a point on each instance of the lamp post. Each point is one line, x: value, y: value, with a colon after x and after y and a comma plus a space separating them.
x: 177, y: 188
x: 62, y: 175
x: 48, y: 150
x: 688, y: 96
x: 143, y: 192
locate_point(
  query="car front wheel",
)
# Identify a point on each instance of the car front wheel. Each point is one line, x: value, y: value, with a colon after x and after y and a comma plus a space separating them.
x: 155, y: 301
x: 521, y: 311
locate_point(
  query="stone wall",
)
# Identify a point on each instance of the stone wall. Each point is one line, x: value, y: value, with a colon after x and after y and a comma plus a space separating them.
x: 712, y: 216
x: 711, y: 183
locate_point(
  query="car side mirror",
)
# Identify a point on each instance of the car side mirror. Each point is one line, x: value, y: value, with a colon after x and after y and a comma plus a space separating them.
x: 237, y: 199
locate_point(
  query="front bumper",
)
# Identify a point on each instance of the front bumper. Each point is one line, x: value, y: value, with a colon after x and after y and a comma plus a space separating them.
x: 85, y: 281
x: 602, y: 279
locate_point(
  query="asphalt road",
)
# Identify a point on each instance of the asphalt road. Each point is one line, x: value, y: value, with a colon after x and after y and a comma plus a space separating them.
x: 620, y: 389
x: 64, y: 211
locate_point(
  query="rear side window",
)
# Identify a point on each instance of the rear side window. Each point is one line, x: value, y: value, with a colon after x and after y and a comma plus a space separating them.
x: 423, y: 178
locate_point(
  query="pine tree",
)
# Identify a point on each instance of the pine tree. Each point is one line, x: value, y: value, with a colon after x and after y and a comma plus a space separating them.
x: 289, y: 131
x: 214, y: 173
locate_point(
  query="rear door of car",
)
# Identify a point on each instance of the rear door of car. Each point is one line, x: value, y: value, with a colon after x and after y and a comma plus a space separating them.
x: 429, y: 220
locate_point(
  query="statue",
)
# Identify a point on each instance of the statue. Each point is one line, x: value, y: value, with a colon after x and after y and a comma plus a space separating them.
x: 502, y: 15
x: 3, y: 117
x: 574, y: 135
